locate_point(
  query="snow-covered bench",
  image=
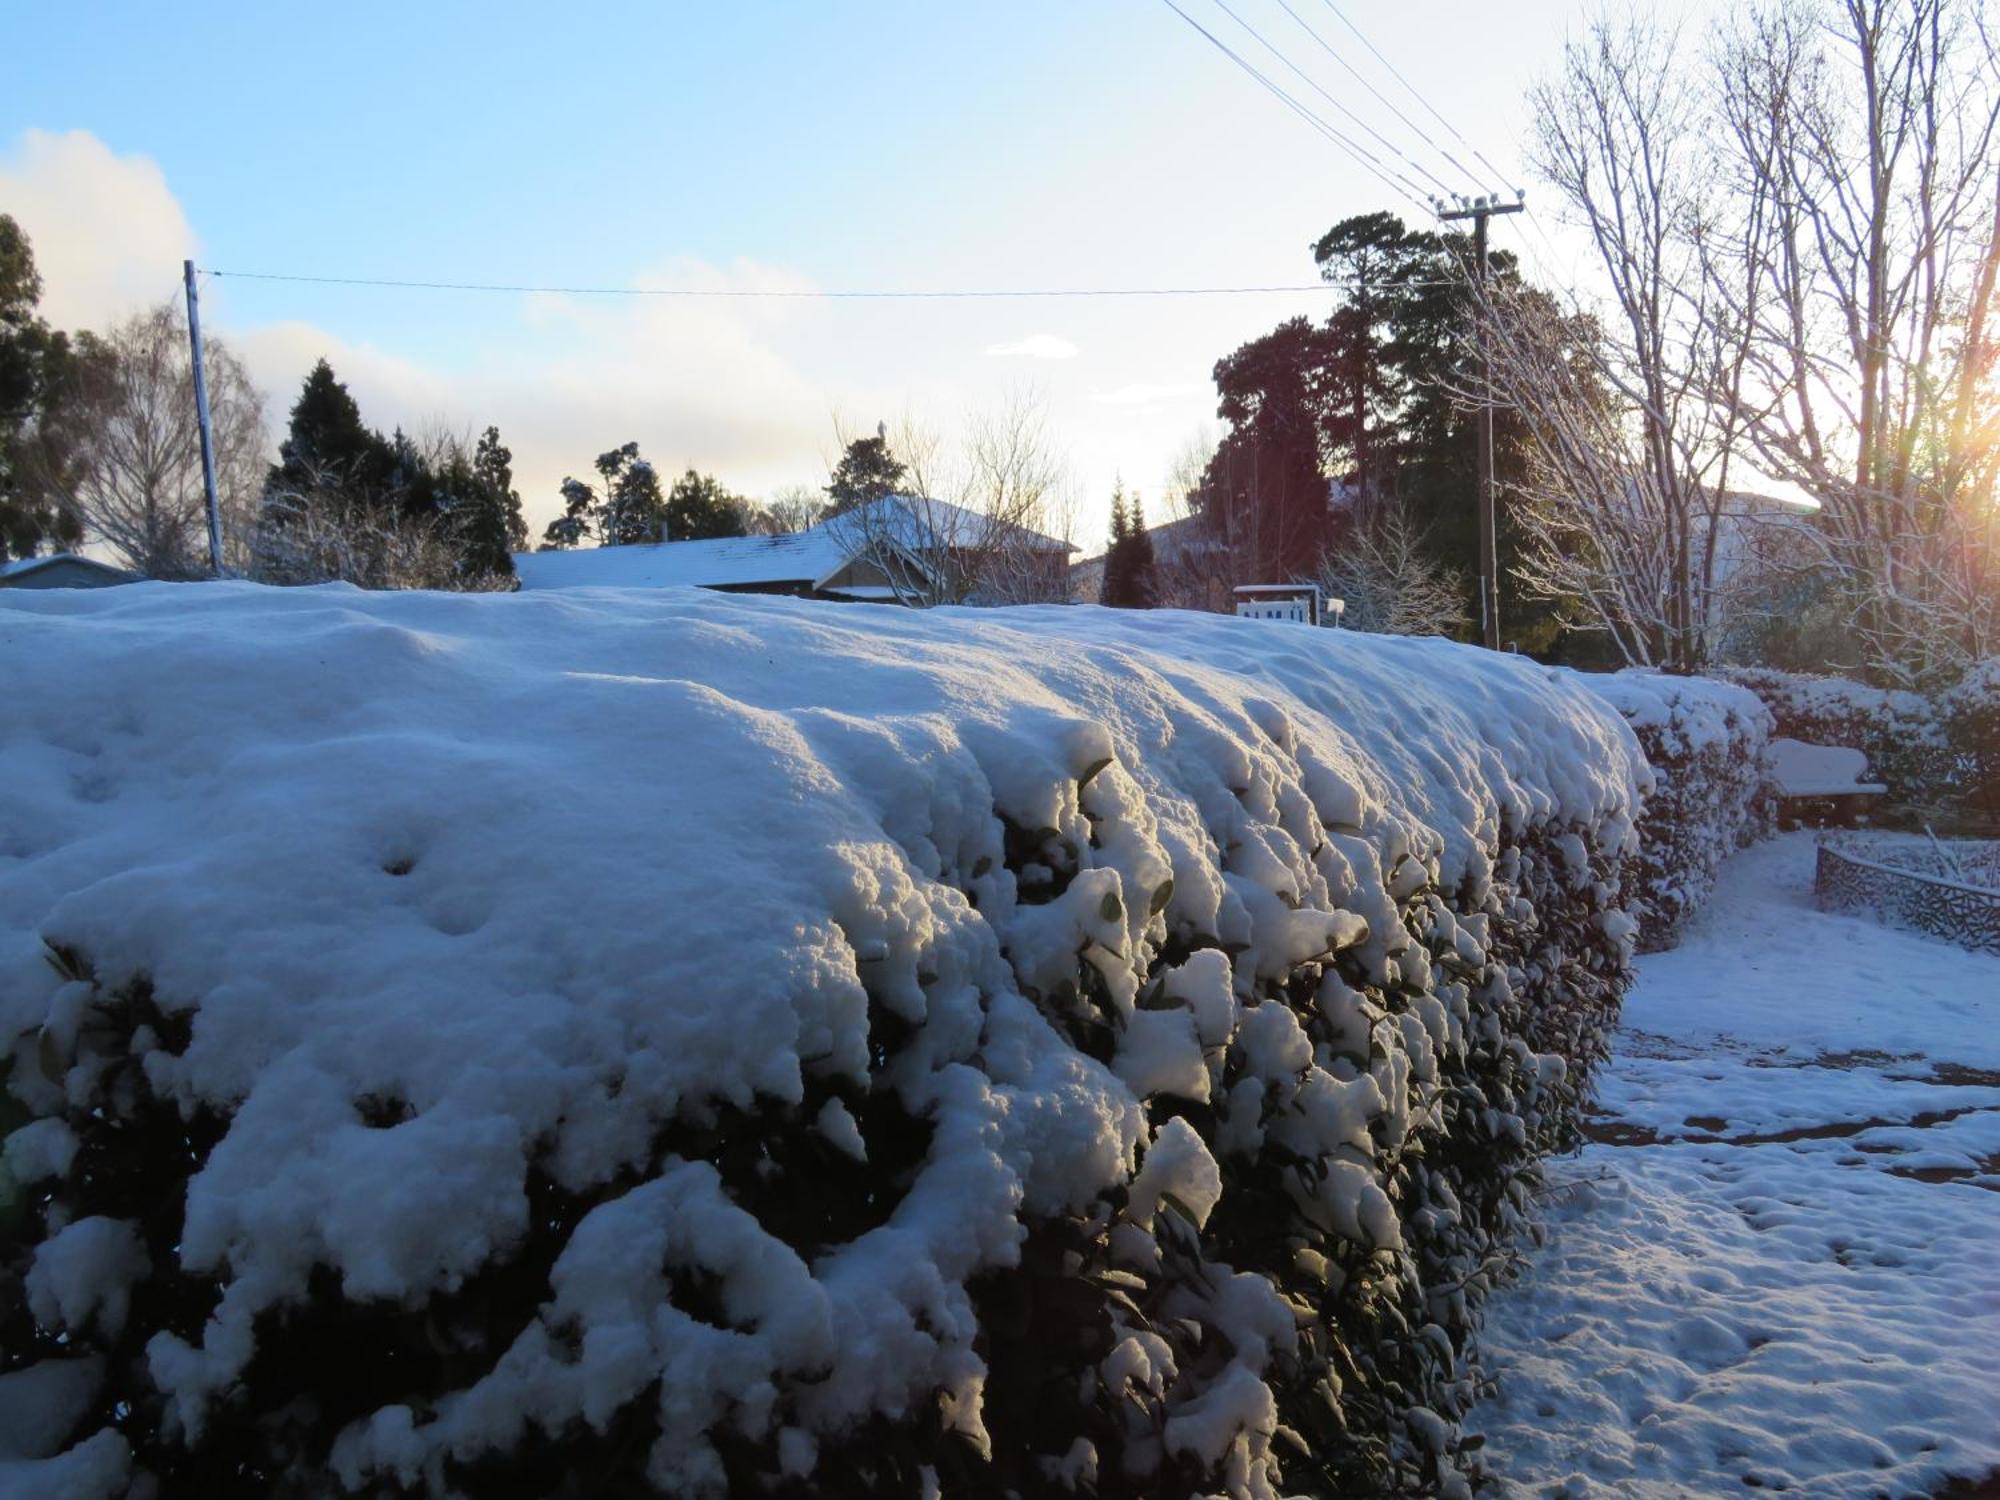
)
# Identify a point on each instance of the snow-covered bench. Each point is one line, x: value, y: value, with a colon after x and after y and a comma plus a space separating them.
x: 1810, y: 775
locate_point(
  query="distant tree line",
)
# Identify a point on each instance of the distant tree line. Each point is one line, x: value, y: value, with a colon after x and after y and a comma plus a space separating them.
x: 1349, y: 438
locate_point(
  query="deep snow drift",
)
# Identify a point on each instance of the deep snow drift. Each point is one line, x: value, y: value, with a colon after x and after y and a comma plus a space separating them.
x: 1779, y: 1267
x: 448, y: 908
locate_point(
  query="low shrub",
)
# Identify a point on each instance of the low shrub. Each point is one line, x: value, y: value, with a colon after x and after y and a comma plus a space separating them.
x: 1706, y: 742
x: 1052, y: 1051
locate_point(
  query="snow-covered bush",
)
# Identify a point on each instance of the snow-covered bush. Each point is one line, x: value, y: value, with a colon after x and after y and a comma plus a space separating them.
x: 1971, y: 713
x: 1902, y: 733
x: 590, y: 1044
x: 1706, y: 742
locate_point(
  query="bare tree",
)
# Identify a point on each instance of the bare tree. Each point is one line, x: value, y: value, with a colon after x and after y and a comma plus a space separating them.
x: 139, y: 489
x: 1390, y: 585
x: 1628, y: 403
x: 1864, y: 132
x: 321, y: 531
x: 791, y: 508
x: 987, y: 518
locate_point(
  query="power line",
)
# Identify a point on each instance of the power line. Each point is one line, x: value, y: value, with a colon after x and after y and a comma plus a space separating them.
x: 1292, y: 104
x: 1396, y: 73
x: 802, y: 293
x: 1332, y: 52
x: 799, y: 293
x: 1313, y: 84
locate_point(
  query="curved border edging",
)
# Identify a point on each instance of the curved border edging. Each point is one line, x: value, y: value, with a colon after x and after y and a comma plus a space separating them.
x: 1967, y: 915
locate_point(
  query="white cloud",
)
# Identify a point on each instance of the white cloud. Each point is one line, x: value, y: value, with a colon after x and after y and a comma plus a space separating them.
x: 747, y: 388
x: 1035, y: 346
x: 109, y: 236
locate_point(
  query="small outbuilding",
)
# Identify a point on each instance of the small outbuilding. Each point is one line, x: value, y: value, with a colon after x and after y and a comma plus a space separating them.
x: 61, y: 570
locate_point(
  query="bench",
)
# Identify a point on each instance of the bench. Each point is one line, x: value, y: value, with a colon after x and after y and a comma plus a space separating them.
x: 1810, y: 778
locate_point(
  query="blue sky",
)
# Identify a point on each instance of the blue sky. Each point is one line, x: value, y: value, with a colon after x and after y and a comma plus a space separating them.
x: 890, y: 144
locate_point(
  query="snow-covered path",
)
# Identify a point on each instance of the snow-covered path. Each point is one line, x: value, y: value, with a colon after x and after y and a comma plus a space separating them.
x: 1777, y: 1265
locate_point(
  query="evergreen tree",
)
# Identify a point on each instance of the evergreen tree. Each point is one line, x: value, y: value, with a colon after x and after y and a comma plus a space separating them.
x: 1265, y: 492
x: 866, y: 471
x: 1141, y: 568
x: 483, y: 508
x: 328, y: 445
x: 698, y: 507
x: 634, y: 510
x: 36, y: 457
x: 1117, y: 556
x: 1130, y: 580
x: 628, y: 510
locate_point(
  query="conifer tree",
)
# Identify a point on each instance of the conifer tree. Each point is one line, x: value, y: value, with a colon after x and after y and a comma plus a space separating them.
x: 698, y: 507
x: 327, y: 444
x: 1142, y: 584
x: 484, y: 510
x: 867, y: 471
x: 1116, y: 555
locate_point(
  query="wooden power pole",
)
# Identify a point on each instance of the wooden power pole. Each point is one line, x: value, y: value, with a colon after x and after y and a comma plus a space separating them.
x: 201, y: 420
x: 1479, y: 211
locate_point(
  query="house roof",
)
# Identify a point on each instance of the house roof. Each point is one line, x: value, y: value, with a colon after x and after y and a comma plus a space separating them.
x: 807, y: 558
x: 802, y: 557
x: 20, y: 567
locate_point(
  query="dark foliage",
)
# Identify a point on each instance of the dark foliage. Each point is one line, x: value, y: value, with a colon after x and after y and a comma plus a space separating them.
x: 867, y: 471
x: 35, y: 363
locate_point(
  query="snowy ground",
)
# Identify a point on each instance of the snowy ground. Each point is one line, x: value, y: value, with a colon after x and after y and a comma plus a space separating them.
x: 1778, y: 1265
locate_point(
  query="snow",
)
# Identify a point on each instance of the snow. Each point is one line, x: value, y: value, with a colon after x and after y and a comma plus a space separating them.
x: 799, y: 558
x: 1774, y: 1266
x: 546, y: 872
x: 804, y: 559
x: 1803, y: 770
x: 1693, y: 713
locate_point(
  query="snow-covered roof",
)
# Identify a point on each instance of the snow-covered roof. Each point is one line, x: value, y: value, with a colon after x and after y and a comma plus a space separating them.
x: 737, y: 561
x: 21, y: 566
x: 806, y: 558
x: 920, y: 523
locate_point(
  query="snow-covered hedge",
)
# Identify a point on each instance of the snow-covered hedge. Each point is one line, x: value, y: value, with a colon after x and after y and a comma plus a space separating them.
x: 1706, y: 742
x: 1971, y: 714
x: 566, y: 1045
x: 1902, y: 733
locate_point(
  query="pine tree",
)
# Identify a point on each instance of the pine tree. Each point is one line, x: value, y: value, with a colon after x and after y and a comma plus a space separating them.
x: 1117, y: 589
x: 1142, y: 582
x: 328, y: 445
x: 867, y: 471
x: 698, y: 507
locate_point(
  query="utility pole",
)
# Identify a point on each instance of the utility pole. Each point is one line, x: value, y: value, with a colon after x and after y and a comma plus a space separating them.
x: 1479, y: 211
x: 201, y: 418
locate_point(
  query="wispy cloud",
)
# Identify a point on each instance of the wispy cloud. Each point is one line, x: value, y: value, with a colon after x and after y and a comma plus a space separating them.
x: 1142, y: 393
x: 1034, y: 346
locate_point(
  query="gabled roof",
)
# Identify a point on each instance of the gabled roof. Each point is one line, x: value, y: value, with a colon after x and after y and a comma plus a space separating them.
x: 918, y: 523
x: 20, y: 567
x: 803, y: 557
x: 806, y: 559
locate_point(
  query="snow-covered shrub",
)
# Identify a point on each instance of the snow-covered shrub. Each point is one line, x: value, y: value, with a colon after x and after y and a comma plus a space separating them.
x: 1902, y: 733
x: 1971, y: 713
x: 1706, y: 742
x: 627, y: 1042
